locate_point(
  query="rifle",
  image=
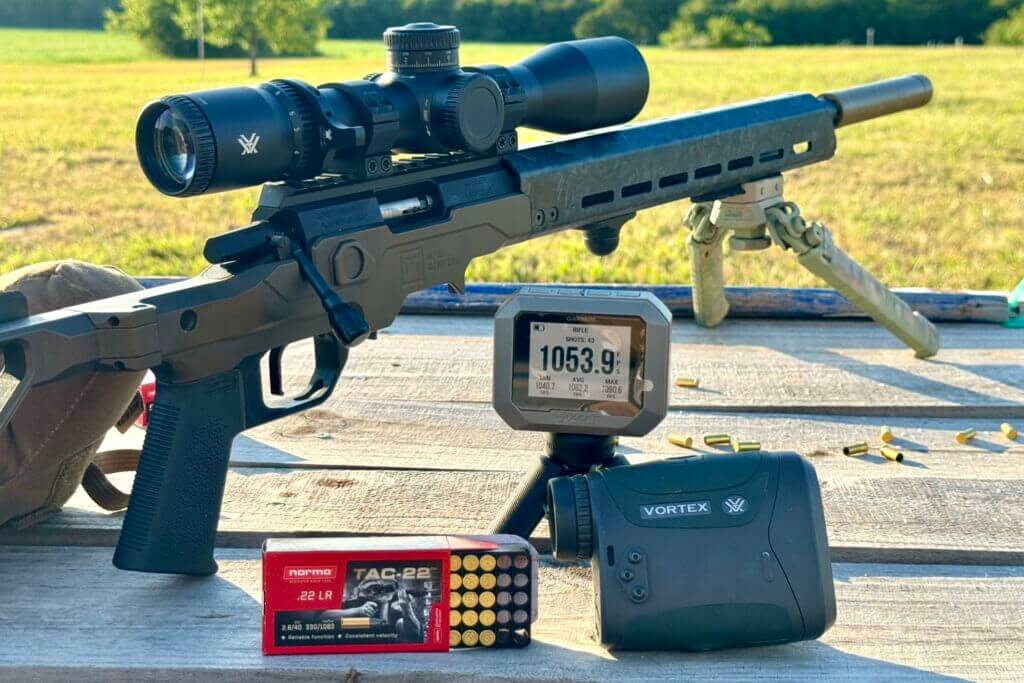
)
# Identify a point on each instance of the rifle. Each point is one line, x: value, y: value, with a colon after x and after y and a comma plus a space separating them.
x: 333, y: 257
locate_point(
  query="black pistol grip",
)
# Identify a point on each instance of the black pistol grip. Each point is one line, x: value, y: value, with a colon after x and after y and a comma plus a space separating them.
x: 171, y: 523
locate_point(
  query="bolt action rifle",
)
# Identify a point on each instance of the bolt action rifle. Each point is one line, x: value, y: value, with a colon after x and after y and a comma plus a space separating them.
x: 332, y: 256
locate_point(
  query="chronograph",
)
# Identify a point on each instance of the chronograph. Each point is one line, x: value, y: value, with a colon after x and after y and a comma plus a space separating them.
x: 583, y: 361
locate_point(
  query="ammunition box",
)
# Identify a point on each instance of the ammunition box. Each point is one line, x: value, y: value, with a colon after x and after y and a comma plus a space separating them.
x: 410, y: 594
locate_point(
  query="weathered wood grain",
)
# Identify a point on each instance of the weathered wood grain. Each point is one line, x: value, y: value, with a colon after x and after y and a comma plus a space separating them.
x: 448, y: 436
x: 68, y: 614
x: 912, y: 518
x: 833, y: 367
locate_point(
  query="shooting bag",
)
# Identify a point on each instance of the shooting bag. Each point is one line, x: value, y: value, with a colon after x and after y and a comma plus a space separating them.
x: 51, y: 442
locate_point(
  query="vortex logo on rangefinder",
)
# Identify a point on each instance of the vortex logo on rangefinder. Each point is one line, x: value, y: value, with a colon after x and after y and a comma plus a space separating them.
x: 689, y: 508
x: 735, y: 505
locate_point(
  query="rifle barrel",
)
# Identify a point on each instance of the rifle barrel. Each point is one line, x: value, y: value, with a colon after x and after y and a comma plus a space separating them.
x: 872, y: 100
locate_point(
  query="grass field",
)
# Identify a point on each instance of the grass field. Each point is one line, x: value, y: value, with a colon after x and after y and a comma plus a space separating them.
x: 933, y: 198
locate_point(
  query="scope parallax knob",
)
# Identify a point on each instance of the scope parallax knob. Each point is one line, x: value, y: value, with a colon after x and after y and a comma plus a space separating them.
x: 422, y: 46
x: 473, y: 113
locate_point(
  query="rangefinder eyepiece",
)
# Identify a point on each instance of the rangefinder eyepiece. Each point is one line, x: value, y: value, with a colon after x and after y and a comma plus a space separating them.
x: 228, y: 138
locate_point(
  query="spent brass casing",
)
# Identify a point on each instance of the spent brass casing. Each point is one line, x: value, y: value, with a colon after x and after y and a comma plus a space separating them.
x: 890, y: 453
x: 716, y: 439
x: 688, y: 382
x: 966, y: 435
x: 745, y: 446
x: 680, y: 440
x: 886, y: 435
x: 856, y: 449
x: 1008, y: 431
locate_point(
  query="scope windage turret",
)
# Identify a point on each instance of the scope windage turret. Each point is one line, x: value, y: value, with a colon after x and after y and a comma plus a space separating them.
x: 227, y: 138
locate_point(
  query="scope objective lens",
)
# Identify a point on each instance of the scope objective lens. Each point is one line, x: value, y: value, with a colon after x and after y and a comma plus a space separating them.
x: 174, y: 148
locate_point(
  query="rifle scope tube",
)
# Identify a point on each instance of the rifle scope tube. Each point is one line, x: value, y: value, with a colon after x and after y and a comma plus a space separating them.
x: 227, y: 138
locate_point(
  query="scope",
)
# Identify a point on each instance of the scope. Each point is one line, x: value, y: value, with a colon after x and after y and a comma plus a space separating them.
x: 425, y: 103
x: 582, y: 361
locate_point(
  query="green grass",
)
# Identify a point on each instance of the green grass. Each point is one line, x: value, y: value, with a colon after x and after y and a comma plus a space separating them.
x: 932, y: 198
x: 42, y: 46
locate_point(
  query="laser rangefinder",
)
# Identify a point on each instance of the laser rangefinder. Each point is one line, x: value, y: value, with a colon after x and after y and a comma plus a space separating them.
x: 701, y: 552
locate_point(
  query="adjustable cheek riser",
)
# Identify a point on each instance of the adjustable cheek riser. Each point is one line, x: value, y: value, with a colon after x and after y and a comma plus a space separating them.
x: 695, y: 554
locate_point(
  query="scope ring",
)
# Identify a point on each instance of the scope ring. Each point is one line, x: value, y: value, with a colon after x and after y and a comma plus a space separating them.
x: 584, y: 519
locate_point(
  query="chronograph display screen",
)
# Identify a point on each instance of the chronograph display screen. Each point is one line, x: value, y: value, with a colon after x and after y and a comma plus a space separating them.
x: 578, y: 362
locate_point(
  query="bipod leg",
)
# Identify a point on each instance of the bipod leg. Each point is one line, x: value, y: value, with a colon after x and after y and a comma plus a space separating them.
x: 705, y: 247
x: 819, y: 254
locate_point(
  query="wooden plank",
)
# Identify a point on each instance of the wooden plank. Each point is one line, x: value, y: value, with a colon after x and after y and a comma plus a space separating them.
x: 911, y: 518
x: 69, y: 615
x: 834, y: 368
x: 446, y: 436
x: 483, y: 298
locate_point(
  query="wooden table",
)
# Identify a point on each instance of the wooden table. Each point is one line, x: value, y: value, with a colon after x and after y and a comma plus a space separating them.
x: 929, y: 554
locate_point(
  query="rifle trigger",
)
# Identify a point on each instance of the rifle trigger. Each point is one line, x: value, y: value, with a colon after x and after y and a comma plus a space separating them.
x: 274, y: 366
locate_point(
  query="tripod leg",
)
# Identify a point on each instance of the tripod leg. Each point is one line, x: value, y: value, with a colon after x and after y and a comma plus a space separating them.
x: 525, y: 509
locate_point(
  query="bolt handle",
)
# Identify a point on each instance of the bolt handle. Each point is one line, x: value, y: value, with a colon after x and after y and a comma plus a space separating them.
x: 347, y: 322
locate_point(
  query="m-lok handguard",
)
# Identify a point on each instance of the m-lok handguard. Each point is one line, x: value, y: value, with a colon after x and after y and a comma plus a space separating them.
x: 333, y: 259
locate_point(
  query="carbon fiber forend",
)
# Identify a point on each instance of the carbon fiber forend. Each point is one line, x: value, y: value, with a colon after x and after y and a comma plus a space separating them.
x: 591, y: 177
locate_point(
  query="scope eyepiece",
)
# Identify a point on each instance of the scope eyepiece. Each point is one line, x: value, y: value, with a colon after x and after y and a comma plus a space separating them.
x: 228, y: 138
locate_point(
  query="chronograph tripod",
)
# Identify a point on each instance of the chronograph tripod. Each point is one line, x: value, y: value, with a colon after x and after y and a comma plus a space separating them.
x: 567, y: 454
x: 585, y: 366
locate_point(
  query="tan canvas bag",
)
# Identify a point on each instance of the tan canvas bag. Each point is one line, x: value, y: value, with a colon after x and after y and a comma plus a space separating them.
x: 52, y: 440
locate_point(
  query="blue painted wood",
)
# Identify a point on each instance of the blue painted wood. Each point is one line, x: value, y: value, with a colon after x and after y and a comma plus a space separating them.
x: 744, y: 302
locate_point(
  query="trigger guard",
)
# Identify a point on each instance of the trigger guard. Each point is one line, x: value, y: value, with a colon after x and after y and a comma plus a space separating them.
x: 330, y: 356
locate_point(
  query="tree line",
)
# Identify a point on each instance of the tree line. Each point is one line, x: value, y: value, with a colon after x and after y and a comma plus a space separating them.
x: 164, y: 24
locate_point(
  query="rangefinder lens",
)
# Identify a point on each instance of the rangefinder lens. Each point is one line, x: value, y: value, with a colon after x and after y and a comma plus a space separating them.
x: 174, y: 148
